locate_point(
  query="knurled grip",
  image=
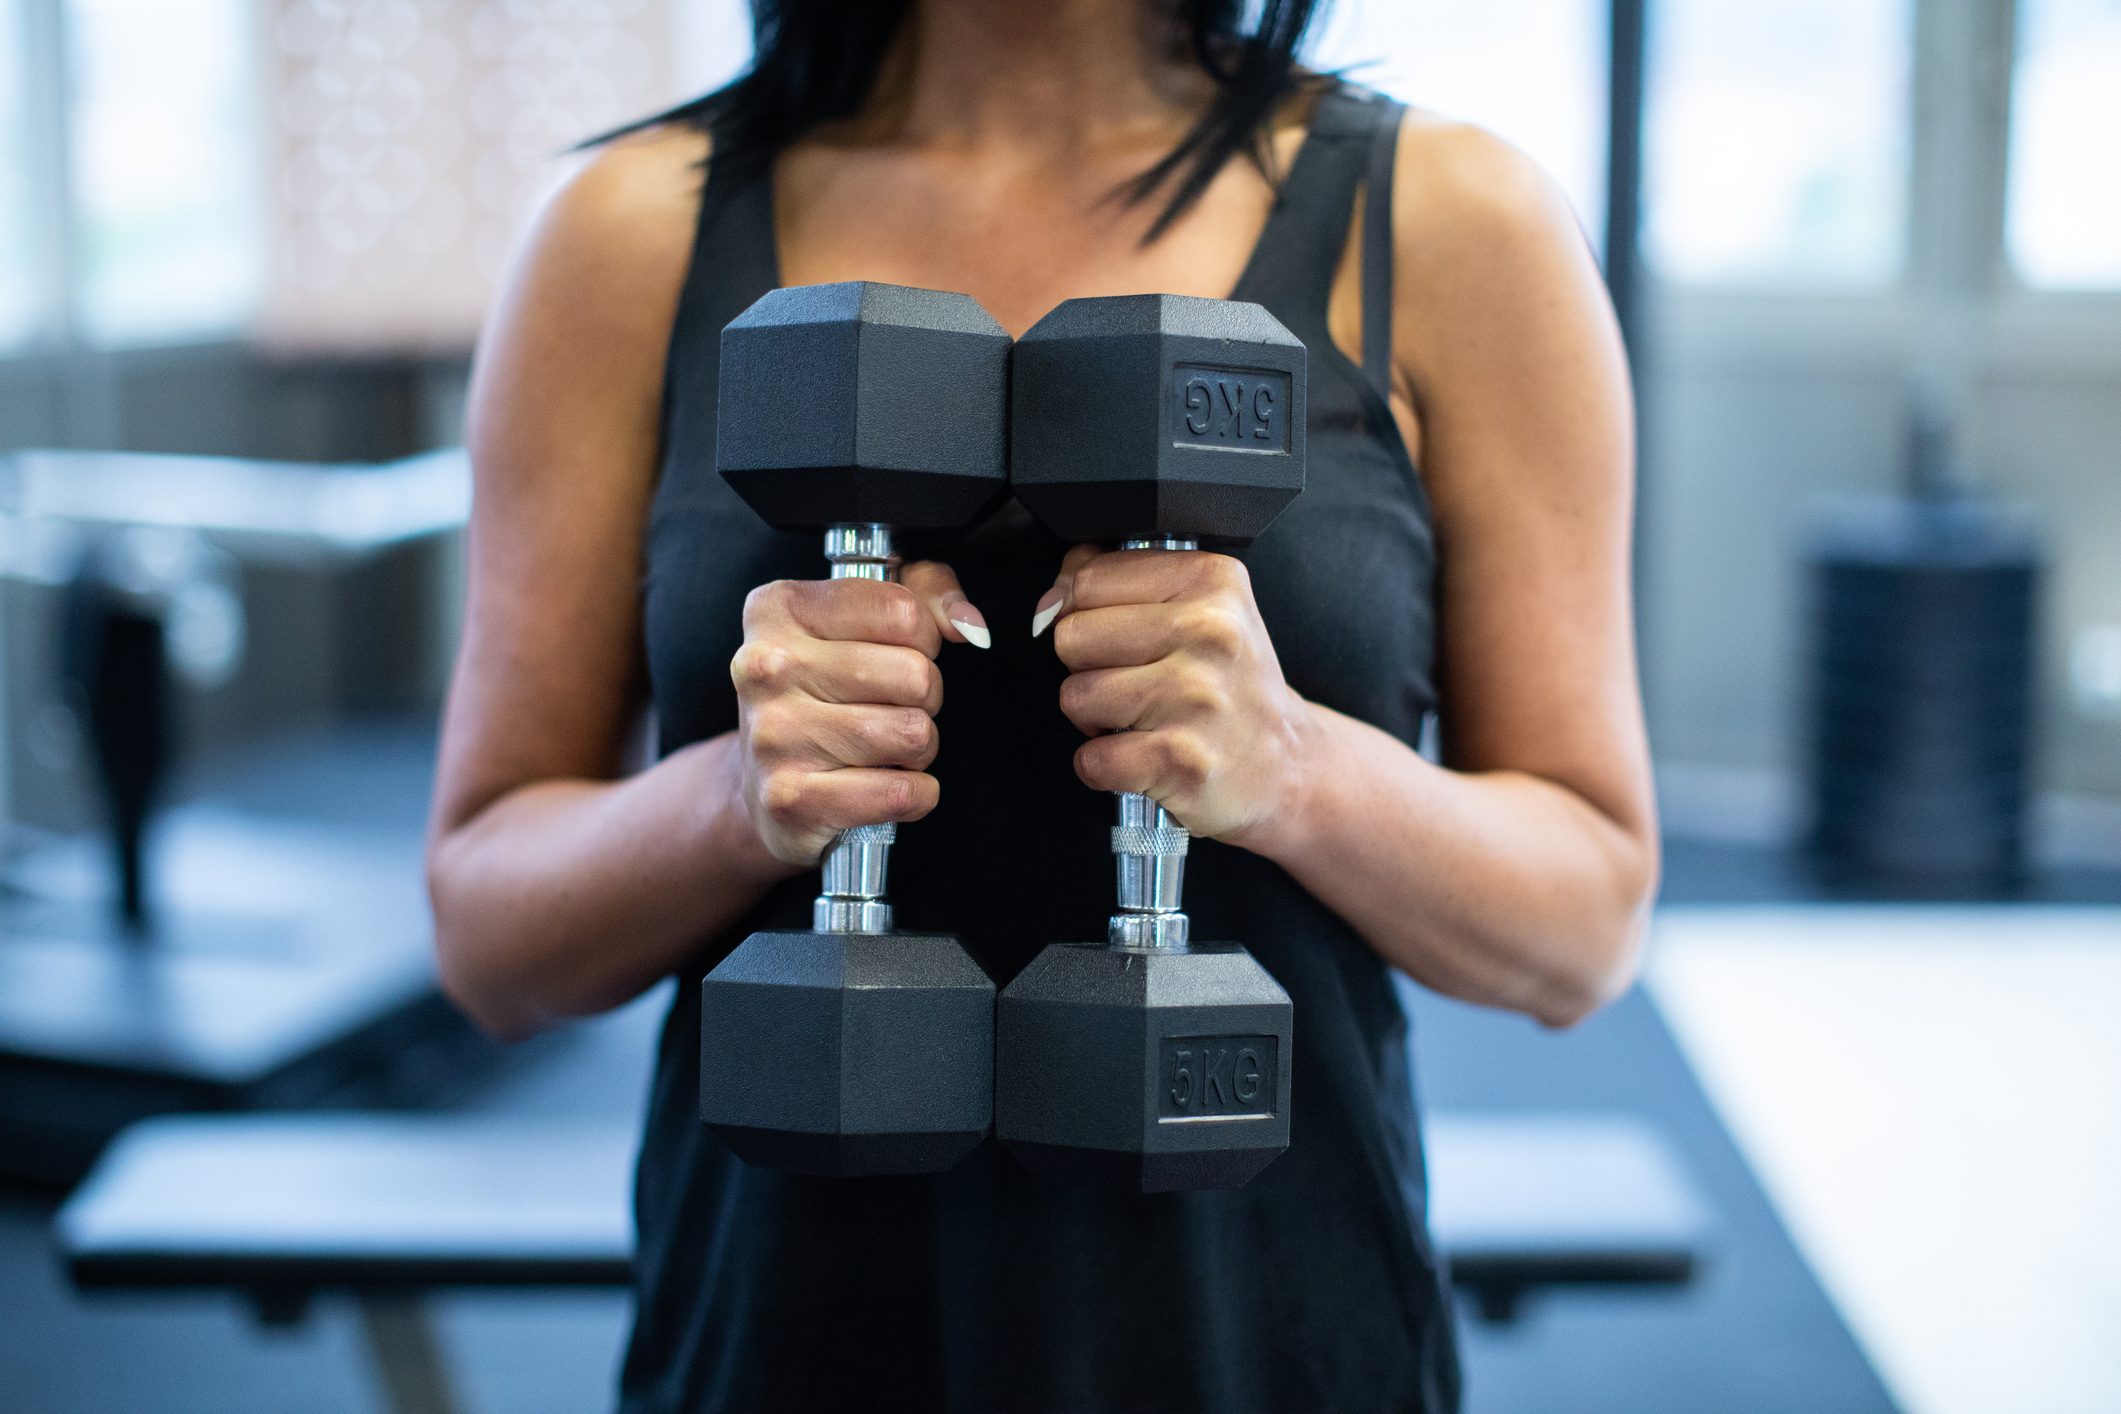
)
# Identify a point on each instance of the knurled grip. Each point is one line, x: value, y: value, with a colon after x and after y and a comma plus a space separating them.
x: 867, y: 834
x: 1148, y: 842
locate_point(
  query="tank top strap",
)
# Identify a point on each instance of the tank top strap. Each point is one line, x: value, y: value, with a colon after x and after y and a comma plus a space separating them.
x: 733, y: 262
x: 1292, y: 269
x: 733, y: 256
x: 1382, y: 142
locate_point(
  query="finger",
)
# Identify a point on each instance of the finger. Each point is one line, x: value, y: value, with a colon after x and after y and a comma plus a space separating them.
x: 1156, y: 764
x: 1122, y: 636
x: 1151, y: 576
x: 861, y: 611
x: 936, y: 586
x: 830, y: 735
x: 1109, y: 699
x: 830, y: 801
x: 871, y: 673
x: 1054, y: 601
x: 766, y: 670
x: 905, y: 737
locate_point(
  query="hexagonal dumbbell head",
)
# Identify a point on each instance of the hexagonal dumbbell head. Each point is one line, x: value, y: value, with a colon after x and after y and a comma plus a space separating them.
x: 1144, y: 1071
x: 865, y: 1053
x: 1157, y: 415
x: 860, y: 402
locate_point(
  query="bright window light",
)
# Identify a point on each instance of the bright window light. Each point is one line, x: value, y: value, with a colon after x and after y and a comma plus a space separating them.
x: 2064, y: 222
x: 1776, y: 141
x: 165, y: 167
x: 18, y: 277
x: 1531, y: 71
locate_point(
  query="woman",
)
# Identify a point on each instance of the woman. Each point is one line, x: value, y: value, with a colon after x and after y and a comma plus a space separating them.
x: 1024, y: 152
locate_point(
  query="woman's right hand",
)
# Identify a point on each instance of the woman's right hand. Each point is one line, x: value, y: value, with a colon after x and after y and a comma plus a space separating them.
x: 837, y: 691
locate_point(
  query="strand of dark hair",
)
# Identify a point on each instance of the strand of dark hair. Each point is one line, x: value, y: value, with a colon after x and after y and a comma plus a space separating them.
x: 816, y: 62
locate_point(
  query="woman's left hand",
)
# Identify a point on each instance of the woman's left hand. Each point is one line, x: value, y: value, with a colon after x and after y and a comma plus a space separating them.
x: 1173, y: 676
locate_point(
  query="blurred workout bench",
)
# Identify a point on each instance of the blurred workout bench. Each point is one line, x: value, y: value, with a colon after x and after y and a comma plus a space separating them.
x: 390, y: 1208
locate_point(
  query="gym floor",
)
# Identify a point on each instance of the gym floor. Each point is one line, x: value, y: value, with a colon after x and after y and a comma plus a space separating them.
x: 1758, y: 1332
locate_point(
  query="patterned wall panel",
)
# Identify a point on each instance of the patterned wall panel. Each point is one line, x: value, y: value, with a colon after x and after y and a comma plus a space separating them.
x: 409, y: 139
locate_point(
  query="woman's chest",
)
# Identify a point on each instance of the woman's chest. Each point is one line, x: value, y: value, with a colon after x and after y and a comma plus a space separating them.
x: 1018, y: 235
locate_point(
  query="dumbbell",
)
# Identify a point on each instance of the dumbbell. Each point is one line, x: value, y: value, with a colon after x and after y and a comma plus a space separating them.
x: 849, y: 410
x: 1150, y: 1062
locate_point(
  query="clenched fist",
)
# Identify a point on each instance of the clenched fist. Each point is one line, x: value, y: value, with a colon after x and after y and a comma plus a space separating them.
x: 837, y: 691
x: 1174, y: 677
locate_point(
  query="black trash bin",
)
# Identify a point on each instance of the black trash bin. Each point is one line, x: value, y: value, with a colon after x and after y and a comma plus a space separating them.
x: 1923, y: 634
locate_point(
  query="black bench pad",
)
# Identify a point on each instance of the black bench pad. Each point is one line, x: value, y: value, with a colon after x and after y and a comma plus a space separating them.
x: 284, y: 1205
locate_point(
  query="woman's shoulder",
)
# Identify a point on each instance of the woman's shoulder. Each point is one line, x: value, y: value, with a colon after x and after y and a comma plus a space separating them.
x: 603, y: 259
x: 635, y: 199
x: 592, y: 290
x: 1460, y: 185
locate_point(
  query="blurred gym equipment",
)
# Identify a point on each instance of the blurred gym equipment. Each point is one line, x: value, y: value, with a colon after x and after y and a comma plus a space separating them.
x: 1924, y: 624
x: 224, y: 959
x: 389, y: 1209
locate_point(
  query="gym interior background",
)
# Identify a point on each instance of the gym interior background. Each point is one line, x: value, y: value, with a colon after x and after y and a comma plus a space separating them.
x: 1869, y: 253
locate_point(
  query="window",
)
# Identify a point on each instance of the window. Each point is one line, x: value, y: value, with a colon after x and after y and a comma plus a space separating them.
x: 18, y: 257
x: 1776, y: 140
x: 164, y: 166
x: 1532, y: 71
x: 710, y: 42
x: 2064, y: 218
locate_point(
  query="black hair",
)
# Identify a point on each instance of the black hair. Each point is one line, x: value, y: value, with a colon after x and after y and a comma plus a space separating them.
x: 816, y: 62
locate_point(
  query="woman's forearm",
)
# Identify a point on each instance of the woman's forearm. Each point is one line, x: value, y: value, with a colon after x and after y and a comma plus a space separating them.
x: 1499, y: 888
x: 567, y: 897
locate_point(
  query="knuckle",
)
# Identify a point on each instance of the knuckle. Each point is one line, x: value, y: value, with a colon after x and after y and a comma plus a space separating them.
x: 916, y: 678
x: 784, y: 797
x: 767, y: 730
x: 1092, y: 766
x: 1074, y: 639
x: 916, y: 730
x: 893, y: 733
x: 1228, y: 572
x: 1201, y: 691
x: 1215, y: 628
x: 1075, y: 695
x: 1187, y: 761
x: 900, y: 612
x: 762, y: 666
x: 767, y: 600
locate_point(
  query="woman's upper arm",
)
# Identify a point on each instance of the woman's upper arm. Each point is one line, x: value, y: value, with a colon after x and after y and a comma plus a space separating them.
x: 1507, y: 340
x: 563, y: 433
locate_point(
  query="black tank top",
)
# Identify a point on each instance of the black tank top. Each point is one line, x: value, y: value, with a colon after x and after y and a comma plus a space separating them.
x: 983, y: 1289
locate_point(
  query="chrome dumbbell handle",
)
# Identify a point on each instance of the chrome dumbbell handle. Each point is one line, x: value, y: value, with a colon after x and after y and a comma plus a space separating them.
x: 1149, y: 851
x: 858, y: 863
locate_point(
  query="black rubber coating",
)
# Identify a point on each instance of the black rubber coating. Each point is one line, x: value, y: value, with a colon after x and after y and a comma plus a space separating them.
x: 1137, y: 417
x: 860, y: 402
x: 1154, y: 415
x: 848, y: 1053
x: 1144, y: 1071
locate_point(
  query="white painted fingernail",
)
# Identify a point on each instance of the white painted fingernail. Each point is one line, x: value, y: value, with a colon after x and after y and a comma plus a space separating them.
x: 975, y: 631
x: 1049, y: 607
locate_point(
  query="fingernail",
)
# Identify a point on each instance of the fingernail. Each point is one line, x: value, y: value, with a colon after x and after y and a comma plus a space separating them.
x: 971, y: 623
x: 1049, y: 607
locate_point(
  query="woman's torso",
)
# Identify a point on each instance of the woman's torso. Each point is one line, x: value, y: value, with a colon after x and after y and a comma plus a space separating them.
x: 1311, y: 1288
